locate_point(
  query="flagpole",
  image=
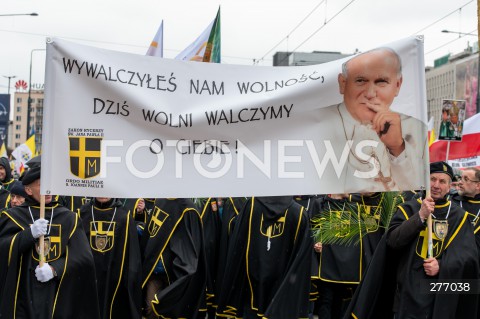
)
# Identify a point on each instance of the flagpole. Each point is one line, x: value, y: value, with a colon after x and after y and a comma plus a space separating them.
x: 428, y: 195
x: 429, y: 229
x: 448, y: 151
x: 41, y: 239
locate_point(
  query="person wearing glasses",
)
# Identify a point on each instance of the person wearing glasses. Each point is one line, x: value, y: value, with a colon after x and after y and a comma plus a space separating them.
x: 468, y: 196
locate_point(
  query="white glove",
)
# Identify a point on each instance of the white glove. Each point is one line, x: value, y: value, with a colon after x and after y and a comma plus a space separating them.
x: 39, y: 228
x: 44, y: 273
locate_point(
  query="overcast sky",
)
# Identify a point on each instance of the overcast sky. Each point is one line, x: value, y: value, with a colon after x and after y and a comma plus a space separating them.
x: 250, y: 29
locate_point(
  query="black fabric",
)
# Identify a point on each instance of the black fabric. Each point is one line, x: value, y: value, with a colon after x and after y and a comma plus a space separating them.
x: 131, y: 204
x: 217, y: 217
x: 232, y: 207
x: 373, y: 298
x: 4, y: 198
x: 212, y: 226
x: 118, y: 265
x: 74, y: 203
x: 370, y: 207
x: 72, y: 294
x: 174, y: 235
x: 332, y: 260
x: 268, y: 263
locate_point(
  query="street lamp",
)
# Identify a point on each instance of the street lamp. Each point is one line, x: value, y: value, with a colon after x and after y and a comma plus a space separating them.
x: 33, y: 14
x: 29, y: 101
x: 460, y: 33
x: 9, y: 77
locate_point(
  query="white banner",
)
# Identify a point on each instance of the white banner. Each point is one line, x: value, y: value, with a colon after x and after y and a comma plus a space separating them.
x: 125, y: 125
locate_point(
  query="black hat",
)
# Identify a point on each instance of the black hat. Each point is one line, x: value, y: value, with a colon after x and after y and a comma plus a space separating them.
x: 34, y: 161
x: 441, y: 167
x: 31, y: 175
x: 18, y: 189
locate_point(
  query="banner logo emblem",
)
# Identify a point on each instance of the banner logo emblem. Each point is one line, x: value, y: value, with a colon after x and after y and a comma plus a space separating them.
x: 85, y: 156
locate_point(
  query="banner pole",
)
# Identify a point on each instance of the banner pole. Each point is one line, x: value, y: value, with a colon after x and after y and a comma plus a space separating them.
x: 448, y: 151
x: 429, y: 230
x: 41, y: 239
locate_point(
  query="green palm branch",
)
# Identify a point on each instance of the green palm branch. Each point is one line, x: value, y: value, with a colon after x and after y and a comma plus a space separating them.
x: 345, y: 224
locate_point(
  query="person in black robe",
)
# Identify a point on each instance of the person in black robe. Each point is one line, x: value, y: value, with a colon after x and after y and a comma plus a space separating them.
x: 6, y: 177
x: 370, y: 210
x: 468, y: 195
x: 402, y: 268
x: 64, y: 287
x: 116, y: 251
x: 174, y: 270
x: 269, y: 261
x: 217, y: 217
x: 17, y: 194
x: 338, y: 268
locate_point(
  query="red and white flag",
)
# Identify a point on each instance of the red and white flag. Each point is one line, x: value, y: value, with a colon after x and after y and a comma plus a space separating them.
x: 469, y: 147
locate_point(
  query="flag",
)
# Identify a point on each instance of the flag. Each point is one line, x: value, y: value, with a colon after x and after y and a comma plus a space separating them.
x: 431, y: 132
x: 213, y: 49
x: 206, y: 48
x: 156, y: 47
x: 468, y: 147
x: 3, y: 150
x: 23, y: 154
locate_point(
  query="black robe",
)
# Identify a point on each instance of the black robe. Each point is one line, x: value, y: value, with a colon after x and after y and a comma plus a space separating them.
x: 217, y: 219
x: 370, y: 210
x: 269, y: 261
x: 175, y: 236
x: 70, y: 295
x: 397, y: 268
x: 4, y: 198
x: 116, y: 252
x: 74, y: 203
x: 472, y: 206
x: 339, y: 263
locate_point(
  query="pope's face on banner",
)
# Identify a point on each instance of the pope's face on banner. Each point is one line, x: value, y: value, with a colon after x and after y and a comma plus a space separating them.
x: 372, y: 79
x: 454, y: 118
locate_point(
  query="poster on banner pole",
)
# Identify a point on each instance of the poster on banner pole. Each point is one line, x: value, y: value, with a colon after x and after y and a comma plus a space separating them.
x: 451, y: 121
x: 125, y: 125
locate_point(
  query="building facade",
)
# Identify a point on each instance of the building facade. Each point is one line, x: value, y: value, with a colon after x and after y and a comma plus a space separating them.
x: 453, y: 77
x: 304, y: 58
x: 19, y: 125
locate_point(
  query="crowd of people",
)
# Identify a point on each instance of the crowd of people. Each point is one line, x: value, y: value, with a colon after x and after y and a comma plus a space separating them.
x: 239, y: 257
x: 255, y: 257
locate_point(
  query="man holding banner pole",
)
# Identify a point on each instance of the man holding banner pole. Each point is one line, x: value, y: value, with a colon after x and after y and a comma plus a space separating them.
x: 454, y: 256
x: 403, y: 282
x: 64, y: 281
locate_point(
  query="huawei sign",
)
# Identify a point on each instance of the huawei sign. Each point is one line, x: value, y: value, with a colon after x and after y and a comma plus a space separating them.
x: 21, y: 85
